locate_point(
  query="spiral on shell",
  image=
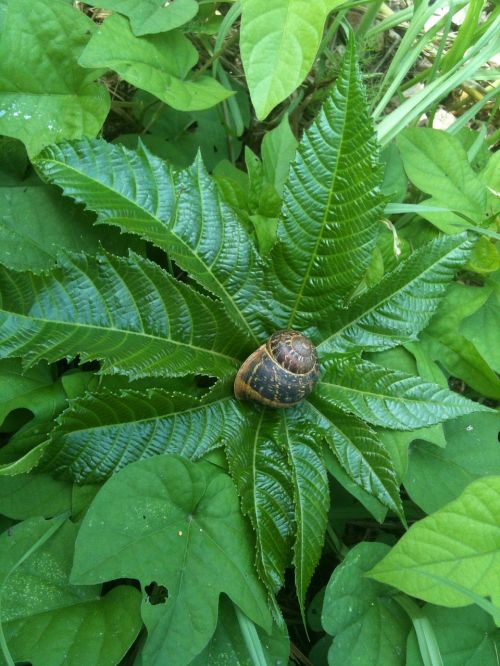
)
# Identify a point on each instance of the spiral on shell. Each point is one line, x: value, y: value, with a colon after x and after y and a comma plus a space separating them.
x: 280, y: 373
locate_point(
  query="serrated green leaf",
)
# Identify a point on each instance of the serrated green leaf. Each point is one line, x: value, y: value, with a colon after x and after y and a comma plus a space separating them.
x: 157, y: 64
x: 261, y: 472
x: 452, y: 555
x: 396, y: 309
x: 128, y: 313
x: 48, y: 621
x: 389, y: 398
x: 178, y: 524
x: 368, y: 626
x: 182, y: 214
x: 332, y: 208
x: 100, y: 434
x: 310, y: 496
x: 359, y: 452
x: 44, y: 95
x: 436, y: 476
x: 152, y: 16
x: 278, y: 44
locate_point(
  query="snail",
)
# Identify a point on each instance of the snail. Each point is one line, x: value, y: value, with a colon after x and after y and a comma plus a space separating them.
x: 280, y: 373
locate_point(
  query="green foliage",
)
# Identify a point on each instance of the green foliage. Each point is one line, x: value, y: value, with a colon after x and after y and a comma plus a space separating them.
x: 139, y: 269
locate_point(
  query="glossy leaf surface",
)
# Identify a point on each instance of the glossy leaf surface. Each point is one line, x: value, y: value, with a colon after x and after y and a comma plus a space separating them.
x: 332, y: 208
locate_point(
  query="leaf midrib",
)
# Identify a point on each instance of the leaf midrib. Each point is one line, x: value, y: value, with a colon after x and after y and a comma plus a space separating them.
x: 386, y: 298
x: 325, y: 214
x: 148, y: 215
x: 120, y: 331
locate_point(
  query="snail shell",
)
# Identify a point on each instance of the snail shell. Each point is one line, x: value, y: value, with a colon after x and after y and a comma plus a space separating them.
x: 280, y: 373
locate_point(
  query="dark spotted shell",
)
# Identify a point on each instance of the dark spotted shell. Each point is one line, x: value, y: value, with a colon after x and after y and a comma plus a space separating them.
x: 280, y: 373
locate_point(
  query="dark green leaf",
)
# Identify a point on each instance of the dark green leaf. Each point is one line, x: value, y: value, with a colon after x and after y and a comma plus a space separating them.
x: 389, y: 398
x: 368, y: 626
x: 128, y: 313
x: 359, y: 452
x: 401, y: 305
x: 30, y: 495
x: 103, y: 433
x: 178, y: 524
x: 332, y: 208
x: 183, y: 214
x: 261, y: 471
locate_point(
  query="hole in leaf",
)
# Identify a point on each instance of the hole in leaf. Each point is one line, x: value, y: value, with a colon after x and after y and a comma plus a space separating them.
x: 16, y: 419
x: 202, y: 381
x: 157, y: 594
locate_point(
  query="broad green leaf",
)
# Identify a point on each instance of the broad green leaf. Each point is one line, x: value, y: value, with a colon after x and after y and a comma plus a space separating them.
x: 279, y: 41
x: 368, y: 626
x: 152, y: 16
x: 29, y: 495
x: 100, y: 434
x: 481, y: 327
x: 127, y: 313
x: 332, y: 208
x: 45, y: 96
x: 436, y: 163
x: 261, y: 472
x: 397, y: 308
x: 228, y: 646
x: 358, y: 451
x: 182, y: 214
x: 39, y: 220
x: 48, y: 621
x: 176, y: 523
x: 34, y: 389
x: 443, y: 342
x: 310, y: 496
x: 157, y: 64
x: 389, y: 398
x: 464, y: 635
x: 436, y: 476
x: 278, y: 150
x: 452, y: 555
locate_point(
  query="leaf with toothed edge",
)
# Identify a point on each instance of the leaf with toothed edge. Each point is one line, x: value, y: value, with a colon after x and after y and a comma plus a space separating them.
x: 331, y: 211
x: 128, y: 313
x: 182, y: 213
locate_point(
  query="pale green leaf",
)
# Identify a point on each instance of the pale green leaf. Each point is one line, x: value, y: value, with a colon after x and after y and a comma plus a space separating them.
x: 359, y: 452
x: 389, y: 398
x: 278, y: 150
x: 261, y: 472
x: 397, y: 308
x: 100, y: 434
x: 128, y: 313
x: 437, y: 164
x: 481, y: 328
x: 436, y: 476
x: 157, y: 64
x: 332, y: 209
x: 278, y: 43
x: 452, y: 555
x: 183, y: 214
x: 45, y: 96
x: 176, y: 523
x: 152, y: 16
x: 311, y: 498
x: 368, y: 626
x: 465, y: 636
x: 48, y: 621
